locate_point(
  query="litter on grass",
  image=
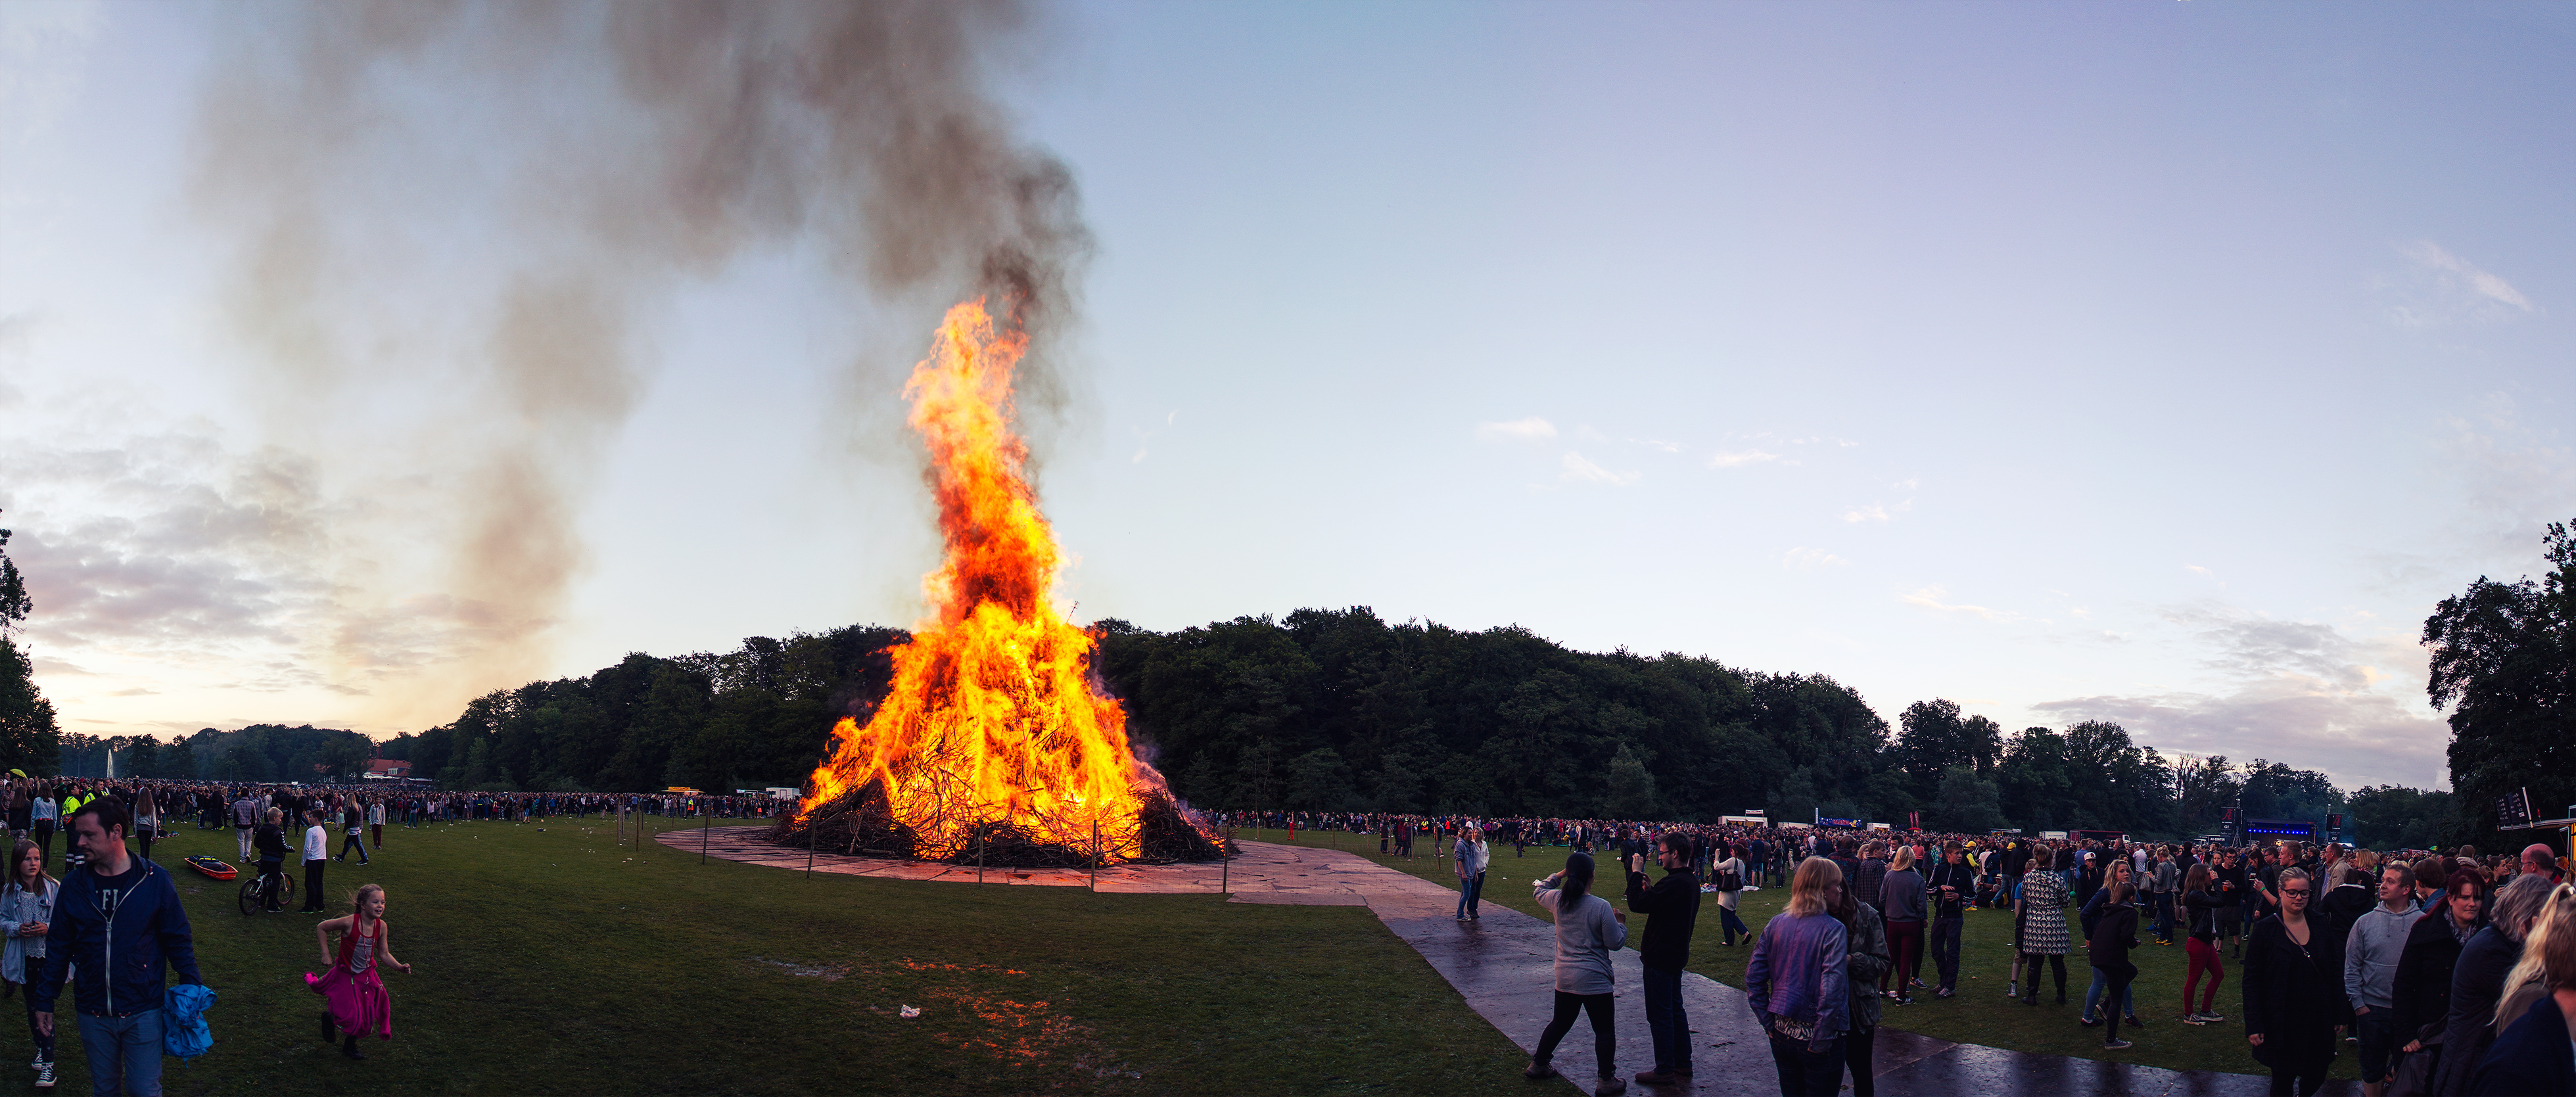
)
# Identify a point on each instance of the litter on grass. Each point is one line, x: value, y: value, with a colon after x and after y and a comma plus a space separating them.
x: 912, y: 1011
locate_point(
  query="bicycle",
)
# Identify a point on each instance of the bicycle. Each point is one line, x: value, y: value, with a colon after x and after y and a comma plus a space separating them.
x: 250, y: 892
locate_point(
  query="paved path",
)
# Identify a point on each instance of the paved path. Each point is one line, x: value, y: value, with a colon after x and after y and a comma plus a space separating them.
x: 1500, y: 964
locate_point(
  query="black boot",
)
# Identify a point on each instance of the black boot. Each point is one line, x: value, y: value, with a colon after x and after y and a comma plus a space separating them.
x: 349, y: 1047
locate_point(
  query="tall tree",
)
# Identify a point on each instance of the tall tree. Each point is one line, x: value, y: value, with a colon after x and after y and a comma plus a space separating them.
x: 30, y: 739
x: 2504, y: 663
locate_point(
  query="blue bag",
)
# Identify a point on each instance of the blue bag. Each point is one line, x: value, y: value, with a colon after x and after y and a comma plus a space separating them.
x: 183, y: 1016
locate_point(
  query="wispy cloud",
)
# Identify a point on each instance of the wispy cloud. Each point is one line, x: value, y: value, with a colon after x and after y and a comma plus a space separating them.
x: 1532, y: 429
x: 1578, y: 470
x: 2447, y: 289
x: 1877, y: 512
x: 1807, y: 559
x: 1742, y: 458
x: 1930, y: 598
x: 2302, y: 692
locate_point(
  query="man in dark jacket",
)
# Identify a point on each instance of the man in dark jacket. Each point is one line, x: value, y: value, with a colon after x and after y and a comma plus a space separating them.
x: 2421, y: 994
x: 1952, y: 882
x: 120, y: 920
x: 1672, y: 910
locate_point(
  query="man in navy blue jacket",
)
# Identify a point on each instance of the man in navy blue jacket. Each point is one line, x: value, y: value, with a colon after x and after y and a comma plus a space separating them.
x: 120, y: 920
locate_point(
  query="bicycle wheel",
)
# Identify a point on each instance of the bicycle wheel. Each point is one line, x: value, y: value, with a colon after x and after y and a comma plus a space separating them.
x: 250, y: 896
x: 285, y: 888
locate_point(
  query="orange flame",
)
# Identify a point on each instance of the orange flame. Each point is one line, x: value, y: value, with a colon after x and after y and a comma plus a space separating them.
x: 992, y: 718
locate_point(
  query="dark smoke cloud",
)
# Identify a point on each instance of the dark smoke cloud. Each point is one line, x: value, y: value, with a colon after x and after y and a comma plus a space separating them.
x: 610, y: 151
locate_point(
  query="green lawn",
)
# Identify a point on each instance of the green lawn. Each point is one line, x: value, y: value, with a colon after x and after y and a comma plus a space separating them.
x: 1980, y: 1014
x: 553, y: 960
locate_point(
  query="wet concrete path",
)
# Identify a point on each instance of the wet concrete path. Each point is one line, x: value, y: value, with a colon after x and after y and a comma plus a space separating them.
x: 1501, y: 965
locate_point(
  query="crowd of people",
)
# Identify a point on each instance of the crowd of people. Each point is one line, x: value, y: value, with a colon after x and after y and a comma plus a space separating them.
x: 2452, y: 973
x: 111, y: 894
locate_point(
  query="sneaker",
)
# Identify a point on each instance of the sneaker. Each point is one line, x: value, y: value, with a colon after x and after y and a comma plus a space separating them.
x: 2116, y: 1045
x: 1944, y: 992
x: 44, y: 1074
x: 2208, y: 1018
x: 349, y: 1048
x: 2133, y: 1022
x: 1538, y: 1071
x: 2012, y: 990
x: 1916, y: 984
x: 2088, y: 1021
x: 1609, y: 1087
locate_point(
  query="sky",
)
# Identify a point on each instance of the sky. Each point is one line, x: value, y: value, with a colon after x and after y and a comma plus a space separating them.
x: 2160, y: 363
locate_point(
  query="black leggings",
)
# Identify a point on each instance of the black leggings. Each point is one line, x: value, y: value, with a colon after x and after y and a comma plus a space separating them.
x: 1605, y: 1044
x: 2114, y: 992
x: 2030, y: 974
x: 1856, y: 1045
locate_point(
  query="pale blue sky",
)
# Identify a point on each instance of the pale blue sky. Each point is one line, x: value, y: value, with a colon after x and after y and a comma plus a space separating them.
x: 2157, y: 362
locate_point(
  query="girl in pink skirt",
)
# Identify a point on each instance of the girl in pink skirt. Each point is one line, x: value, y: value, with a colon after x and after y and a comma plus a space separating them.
x: 352, y: 986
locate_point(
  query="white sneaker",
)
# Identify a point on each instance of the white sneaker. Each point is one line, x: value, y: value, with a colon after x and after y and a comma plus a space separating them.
x: 44, y: 1075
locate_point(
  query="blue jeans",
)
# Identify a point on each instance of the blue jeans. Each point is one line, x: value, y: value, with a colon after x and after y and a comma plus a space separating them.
x: 2102, y: 982
x: 123, y: 1052
x: 2377, y: 1031
x: 2164, y: 916
x: 1666, y: 1021
x: 1732, y: 925
x: 1470, y: 889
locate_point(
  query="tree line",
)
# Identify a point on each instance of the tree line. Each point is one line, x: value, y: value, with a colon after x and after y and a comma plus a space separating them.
x: 1338, y: 710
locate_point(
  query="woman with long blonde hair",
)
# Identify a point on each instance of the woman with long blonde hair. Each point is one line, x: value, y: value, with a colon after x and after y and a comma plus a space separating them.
x: 1798, y: 982
x: 2531, y: 1053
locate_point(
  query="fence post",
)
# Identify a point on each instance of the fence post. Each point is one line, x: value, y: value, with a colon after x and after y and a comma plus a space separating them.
x: 1095, y: 855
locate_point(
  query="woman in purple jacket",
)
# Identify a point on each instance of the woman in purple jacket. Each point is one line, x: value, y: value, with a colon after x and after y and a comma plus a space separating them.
x: 1797, y: 984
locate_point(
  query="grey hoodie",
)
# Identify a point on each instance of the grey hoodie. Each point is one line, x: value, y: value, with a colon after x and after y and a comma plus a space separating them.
x: 2370, y: 955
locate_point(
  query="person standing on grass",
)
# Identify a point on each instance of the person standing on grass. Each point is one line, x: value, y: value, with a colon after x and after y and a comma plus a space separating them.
x: 2371, y: 952
x: 44, y: 815
x: 27, y: 907
x: 247, y: 813
x: 2091, y: 915
x: 1798, y: 983
x: 2291, y: 994
x: 1469, y: 861
x: 1587, y: 932
x: 317, y: 852
x: 1953, y: 882
x: 1671, y: 907
x: 2041, y: 913
x: 2114, y: 933
x: 376, y: 822
x: 2202, y: 907
x: 350, y: 982
x: 1901, y: 897
x: 1865, y: 956
x: 147, y: 821
x: 353, y: 822
x: 1729, y: 876
x: 119, y: 925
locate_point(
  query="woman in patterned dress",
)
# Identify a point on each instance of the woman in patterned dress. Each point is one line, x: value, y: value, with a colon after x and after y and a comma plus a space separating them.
x: 2041, y: 914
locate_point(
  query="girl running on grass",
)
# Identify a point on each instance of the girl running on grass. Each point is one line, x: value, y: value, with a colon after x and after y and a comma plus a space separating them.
x: 352, y: 986
x: 27, y: 905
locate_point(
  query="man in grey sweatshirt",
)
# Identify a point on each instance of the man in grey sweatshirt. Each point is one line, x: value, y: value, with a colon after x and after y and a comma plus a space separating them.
x: 2370, y: 957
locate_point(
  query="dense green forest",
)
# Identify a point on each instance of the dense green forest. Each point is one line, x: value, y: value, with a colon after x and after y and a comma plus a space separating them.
x: 1340, y: 710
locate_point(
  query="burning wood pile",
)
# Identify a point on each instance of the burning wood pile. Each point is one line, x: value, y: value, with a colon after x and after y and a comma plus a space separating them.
x: 994, y: 741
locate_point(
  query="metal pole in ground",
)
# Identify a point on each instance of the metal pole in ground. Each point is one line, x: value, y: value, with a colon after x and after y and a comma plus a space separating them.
x: 1225, y: 874
x: 812, y: 825
x: 979, y: 856
x: 1095, y: 855
x: 706, y: 831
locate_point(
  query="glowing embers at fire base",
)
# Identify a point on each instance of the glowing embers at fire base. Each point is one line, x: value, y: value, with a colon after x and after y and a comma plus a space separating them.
x: 992, y: 741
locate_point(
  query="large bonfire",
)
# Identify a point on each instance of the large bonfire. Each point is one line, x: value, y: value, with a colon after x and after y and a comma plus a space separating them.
x: 993, y: 743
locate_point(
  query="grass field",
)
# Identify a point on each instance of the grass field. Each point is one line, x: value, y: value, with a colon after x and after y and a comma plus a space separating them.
x: 551, y: 960
x: 1980, y: 1014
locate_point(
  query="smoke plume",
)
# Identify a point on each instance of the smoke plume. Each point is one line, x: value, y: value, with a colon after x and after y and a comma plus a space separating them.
x: 446, y: 220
